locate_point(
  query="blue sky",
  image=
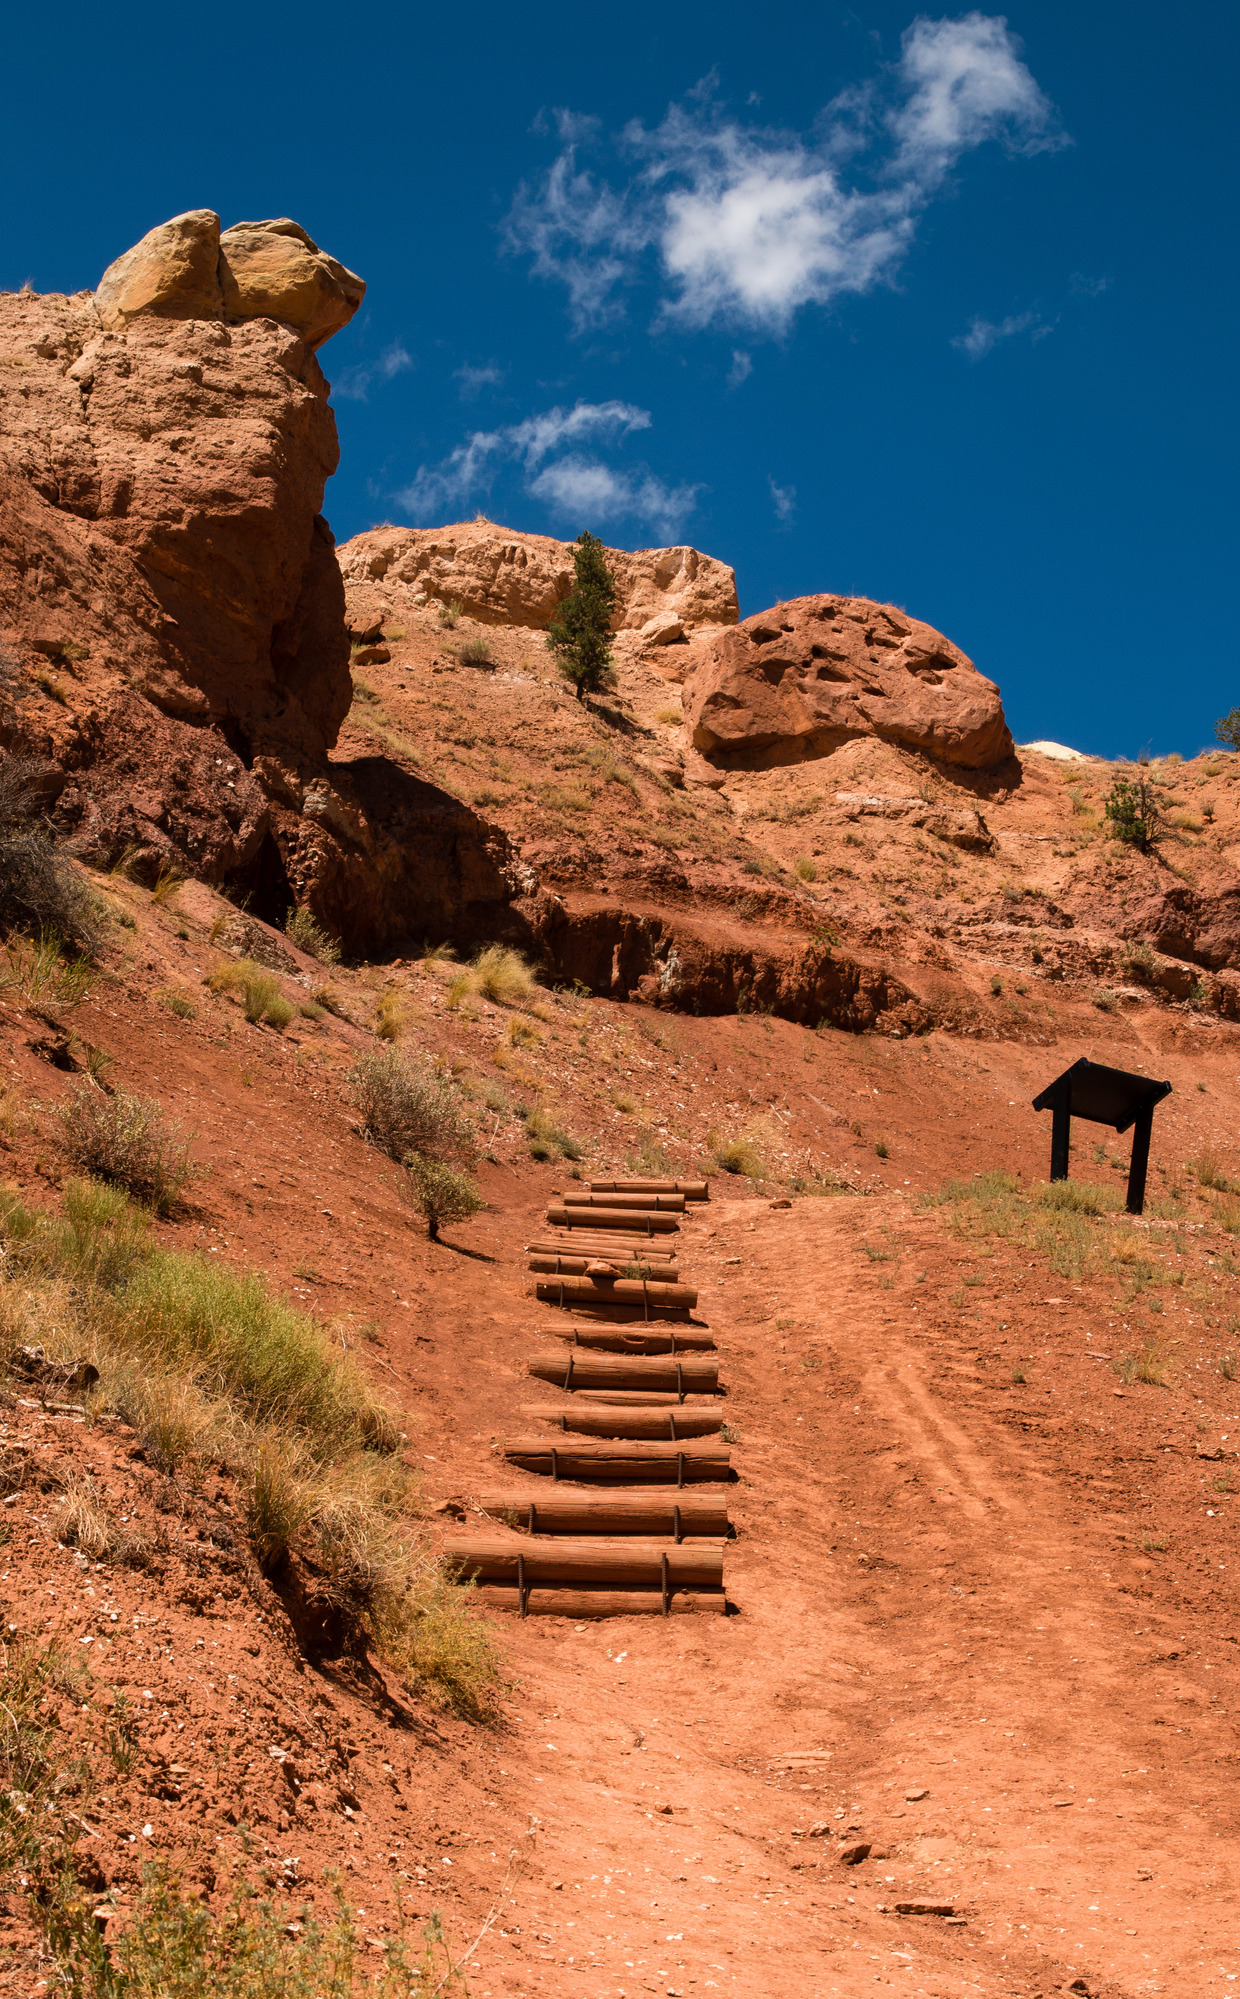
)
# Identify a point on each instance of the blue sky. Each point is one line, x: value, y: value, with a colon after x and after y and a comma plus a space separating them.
x: 936, y: 308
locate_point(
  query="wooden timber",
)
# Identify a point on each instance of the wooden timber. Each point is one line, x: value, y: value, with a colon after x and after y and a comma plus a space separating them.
x: 603, y: 1419
x: 693, y: 1190
x: 580, y: 1604
x: 624, y: 1564
x: 559, y: 1509
x: 683, y: 1374
x: 628, y: 1337
x: 695, y: 1462
x: 649, y: 1296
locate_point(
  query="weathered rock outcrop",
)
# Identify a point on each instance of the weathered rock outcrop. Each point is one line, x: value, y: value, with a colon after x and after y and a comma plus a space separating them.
x: 504, y: 577
x: 189, y: 268
x: 171, y: 588
x: 797, y: 681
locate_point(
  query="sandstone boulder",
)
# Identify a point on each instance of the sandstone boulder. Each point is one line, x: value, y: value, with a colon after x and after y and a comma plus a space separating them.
x: 174, y: 271
x: 188, y: 269
x: 797, y: 681
x: 274, y: 270
x: 504, y: 577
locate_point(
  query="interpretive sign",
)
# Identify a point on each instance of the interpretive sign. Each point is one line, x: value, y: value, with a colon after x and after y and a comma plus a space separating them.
x: 1103, y: 1096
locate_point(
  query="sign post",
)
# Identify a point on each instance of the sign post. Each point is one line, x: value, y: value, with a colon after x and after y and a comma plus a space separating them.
x: 1103, y: 1096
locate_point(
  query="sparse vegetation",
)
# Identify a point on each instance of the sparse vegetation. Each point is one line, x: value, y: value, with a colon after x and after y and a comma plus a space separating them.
x: 176, y: 1003
x: 39, y: 970
x: 1227, y: 729
x: 807, y: 869
x: 390, y: 1015
x: 450, y: 613
x: 41, y: 892
x: 406, y: 1109
x: 441, y: 1193
x: 580, y: 633
x: 126, y: 1141
x: 261, y: 995
x: 497, y: 974
x: 1134, y: 814
x: 738, y: 1155
x: 475, y: 652
x: 547, y: 1139
x: 304, y: 930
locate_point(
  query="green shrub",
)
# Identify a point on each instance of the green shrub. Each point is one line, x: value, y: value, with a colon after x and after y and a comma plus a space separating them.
x: 1227, y: 729
x: 547, y: 1139
x: 580, y: 633
x: 1133, y: 811
x: 309, y: 936
x: 442, y: 1194
x: 405, y: 1109
x: 127, y: 1141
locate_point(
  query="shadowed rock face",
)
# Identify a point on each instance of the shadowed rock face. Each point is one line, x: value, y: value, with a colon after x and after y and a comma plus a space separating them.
x: 504, y: 577
x: 797, y: 681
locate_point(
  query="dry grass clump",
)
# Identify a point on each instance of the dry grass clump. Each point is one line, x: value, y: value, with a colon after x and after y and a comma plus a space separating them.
x: 404, y: 1109
x: 738, y: 1155
x: 1078, y: 1197
x: 1208, y: 1171
x: 42, y: 974
x: 127, y: 1141
x: 441, y: 1194
x: 807, y: 869
x: 260, y: 992
x: 1149, y: 1364
x: 303, y: 930
x: 496, y: 974
x: 40, y: 889
x: 81, y: 1520
x: 475, y: 652
x: 547, y: 1139
x: 390, y: 1015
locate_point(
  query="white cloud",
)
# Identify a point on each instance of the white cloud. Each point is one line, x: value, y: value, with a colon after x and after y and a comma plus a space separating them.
x: 354, y: 383
x: 547, y: 446
x: 472, y: 380
x: 749, y: 225
x: 784, y: 499
x: 741, y: 369
x: 983, y: 334
x: 583, y: 489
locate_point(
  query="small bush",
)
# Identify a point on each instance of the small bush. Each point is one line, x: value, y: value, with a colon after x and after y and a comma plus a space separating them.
x: 522, y: 1034
x: 450, y: 613
x: 1133, y: 811
x: 1150, y: 1365
x: 81, y: 1520
x: 309, y: 936
x: 177, y: 1004
x: 503, y: 976
x: 669, y: 716
x: 406, y: 1110
x: 442, y: 1194
x: 40, y: 889
x: 807, y: 869
x: 475, y: 652
x: 126, y: 1141
x: 1227, y: 1214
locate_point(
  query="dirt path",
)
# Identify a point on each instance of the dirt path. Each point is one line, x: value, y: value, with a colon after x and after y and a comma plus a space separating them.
x: 923, y: 1599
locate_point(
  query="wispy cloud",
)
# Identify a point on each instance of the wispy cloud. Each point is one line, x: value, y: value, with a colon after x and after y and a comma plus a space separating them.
x: 741, y: 369
x: 784, y: 500
x: 1082, y: 286
x: 474, y: 380
x: 982, y: 335
x: 548, y: 447
x: 748, y: 225
x: 585, y: 489
x: 354, y: 383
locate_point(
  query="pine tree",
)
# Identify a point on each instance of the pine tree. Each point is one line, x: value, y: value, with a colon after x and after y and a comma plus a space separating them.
x: 580, y: 632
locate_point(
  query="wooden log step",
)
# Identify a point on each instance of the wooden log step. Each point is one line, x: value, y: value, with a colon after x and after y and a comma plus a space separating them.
x: 560, y: 1510
x: 624, y: 1564
x: 580, y: 1604
x: 603, y: 1419
x: 653, y: 1204
x: 695, y: 1462
x: 683, y: 1374
x: 605, y: 1249
x: 625, y: 1337
x: 639, y: 1295
x: 693, y: 1190
x: 563, y: 1216
x: 605, y: 1268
